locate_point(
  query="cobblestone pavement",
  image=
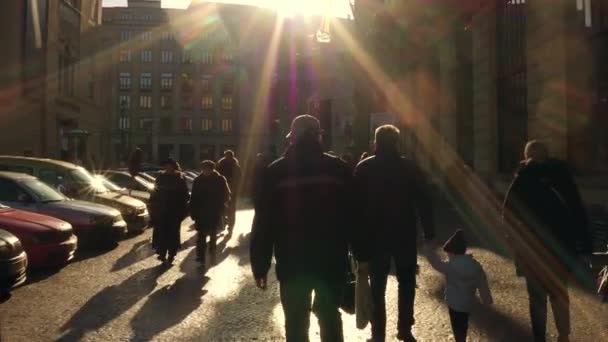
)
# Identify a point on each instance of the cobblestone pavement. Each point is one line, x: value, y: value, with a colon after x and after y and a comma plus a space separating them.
x: 123, y: 295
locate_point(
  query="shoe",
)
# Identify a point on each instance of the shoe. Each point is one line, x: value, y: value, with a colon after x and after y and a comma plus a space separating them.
x: 161, y: 258
x: 406, y: 336
x: 170, y: 260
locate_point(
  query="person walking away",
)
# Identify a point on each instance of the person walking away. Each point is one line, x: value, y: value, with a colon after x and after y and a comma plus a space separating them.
x: 304, y: 218
x: 392, y: 197
x: 548, y: 228
x: 210, y: 193
x: 168, y: 208
x: 229, y: 167
x: 464, y: 278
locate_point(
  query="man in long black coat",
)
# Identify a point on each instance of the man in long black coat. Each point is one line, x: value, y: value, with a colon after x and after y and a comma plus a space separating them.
x: 210, y: 193
x: 168, y: 208
x: 393, y: 197
x: 548, y: 228
x: 229, y: 167
x: 303, y: 217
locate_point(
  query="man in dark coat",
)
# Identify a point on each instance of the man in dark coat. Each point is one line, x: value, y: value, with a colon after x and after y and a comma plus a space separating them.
x: 229, y: 167
x: 303, y: 217
x: 393, y: 197
x: 168, y: 208
x: 548, y: 228
x: 210, y: 193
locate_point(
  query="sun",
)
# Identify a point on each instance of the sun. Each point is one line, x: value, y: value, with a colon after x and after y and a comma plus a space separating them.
x: 289, y: 8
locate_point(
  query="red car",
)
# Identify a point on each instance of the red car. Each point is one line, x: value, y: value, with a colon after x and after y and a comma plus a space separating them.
x: 47, y: 241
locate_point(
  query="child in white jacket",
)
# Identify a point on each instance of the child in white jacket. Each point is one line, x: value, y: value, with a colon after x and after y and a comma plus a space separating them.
x: 464, y: 277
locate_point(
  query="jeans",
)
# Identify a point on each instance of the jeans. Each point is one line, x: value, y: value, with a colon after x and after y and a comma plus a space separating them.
x: 406, y: 277
x: 296, y: 297
x: 560, y: 303
x: 460, y: 325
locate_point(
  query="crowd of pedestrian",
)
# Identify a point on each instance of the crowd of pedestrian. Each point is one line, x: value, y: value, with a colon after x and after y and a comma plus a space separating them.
x: 316, y: 214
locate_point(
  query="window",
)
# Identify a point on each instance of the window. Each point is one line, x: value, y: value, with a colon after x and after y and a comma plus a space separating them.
x: 206, y: 125
x: 146, y: 124
x: 206, y: 57
x: 186, y: 57
x: 124, y: 101
x: 125, y: 16
x: 125, y: 80
x: 146, y: 17
x: 166, y: 57
x: 206, y: 83
x: 146, y: 36
x: 187, y: 84
x: 166, y: 125
x: 185, y: 124
x: 145, y: 81
x: 124, y: 56
x: 165, y: 35
x: 145, y: 101
x: 125, y: 35
x: 124, y: 122
x: 165, y: 102
x: 207, y: 102
x: 227, y: 103
x: 226, y: 125
x: 227, y: 57
x: 166, y: 81
x: 146, y: 56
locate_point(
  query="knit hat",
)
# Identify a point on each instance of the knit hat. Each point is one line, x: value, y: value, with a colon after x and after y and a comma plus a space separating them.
x: 456, y: 244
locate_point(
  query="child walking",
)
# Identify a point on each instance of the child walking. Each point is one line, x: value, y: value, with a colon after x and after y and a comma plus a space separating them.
x: 464, y: 277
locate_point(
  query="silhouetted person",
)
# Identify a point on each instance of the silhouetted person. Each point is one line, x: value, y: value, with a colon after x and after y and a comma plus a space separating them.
x: 548, y: 228
x: 393, y: 196
x: 261, y: 162
x: 229, y: 167
x: 210, y: 193
x: 464, y: 278
x: 135, y: 162
x: 168, y: 208
x: 303, y: 218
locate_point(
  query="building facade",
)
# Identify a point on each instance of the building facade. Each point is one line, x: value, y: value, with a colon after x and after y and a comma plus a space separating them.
x: 51, y: 80
x: 174, y: 85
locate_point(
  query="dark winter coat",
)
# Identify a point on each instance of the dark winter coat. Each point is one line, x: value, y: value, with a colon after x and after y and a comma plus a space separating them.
x: 230, y: 168
x: 303, y: 216
x: 544, y: 208
x: 168, y: 208
x: 209, y: 196
x: 392, y: 196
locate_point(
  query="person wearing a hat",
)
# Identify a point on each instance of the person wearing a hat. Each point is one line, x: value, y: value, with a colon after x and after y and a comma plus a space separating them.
x: 303, y: 218
x: 464, y: 278
x: 168, y: 208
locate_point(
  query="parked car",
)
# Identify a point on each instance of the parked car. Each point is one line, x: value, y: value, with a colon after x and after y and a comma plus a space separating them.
x: 76, y: 182
x: 13, y: 263
x: 125, y: 180
x: 90, y: 221
x: 148, y: 177
x: 47, y: 241
x: 143, y: 196
x: 189, y: 179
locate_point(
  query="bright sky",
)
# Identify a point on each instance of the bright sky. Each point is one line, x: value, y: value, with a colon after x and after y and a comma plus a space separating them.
x: 339, y: 8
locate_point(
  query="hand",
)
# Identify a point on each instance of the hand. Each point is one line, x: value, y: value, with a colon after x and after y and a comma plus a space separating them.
x: 261, y: 283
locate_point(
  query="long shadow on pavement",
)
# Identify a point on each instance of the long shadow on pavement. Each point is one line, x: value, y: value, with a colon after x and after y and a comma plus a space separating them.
x: 171, y: 304
x: 110, y: 303
x: 138, y: 252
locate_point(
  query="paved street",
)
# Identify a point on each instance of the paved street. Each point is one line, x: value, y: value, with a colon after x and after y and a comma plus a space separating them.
x: 123, y: 295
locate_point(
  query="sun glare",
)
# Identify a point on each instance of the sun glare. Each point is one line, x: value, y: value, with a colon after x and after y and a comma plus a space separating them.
x: 290, y: 8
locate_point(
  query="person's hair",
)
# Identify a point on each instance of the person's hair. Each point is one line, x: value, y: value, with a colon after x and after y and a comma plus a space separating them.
x: 387, y: 137
x: 536, y: 150
x: 229, y: 153
x: 208, y: 164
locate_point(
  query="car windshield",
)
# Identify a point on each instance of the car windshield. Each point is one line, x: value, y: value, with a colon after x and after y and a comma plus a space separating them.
x: 82, y: 176
x: 109, y: 185
x: 42, y: 192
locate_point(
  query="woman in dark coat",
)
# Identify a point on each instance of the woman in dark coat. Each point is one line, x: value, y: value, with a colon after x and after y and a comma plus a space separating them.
x: 168, y: 208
